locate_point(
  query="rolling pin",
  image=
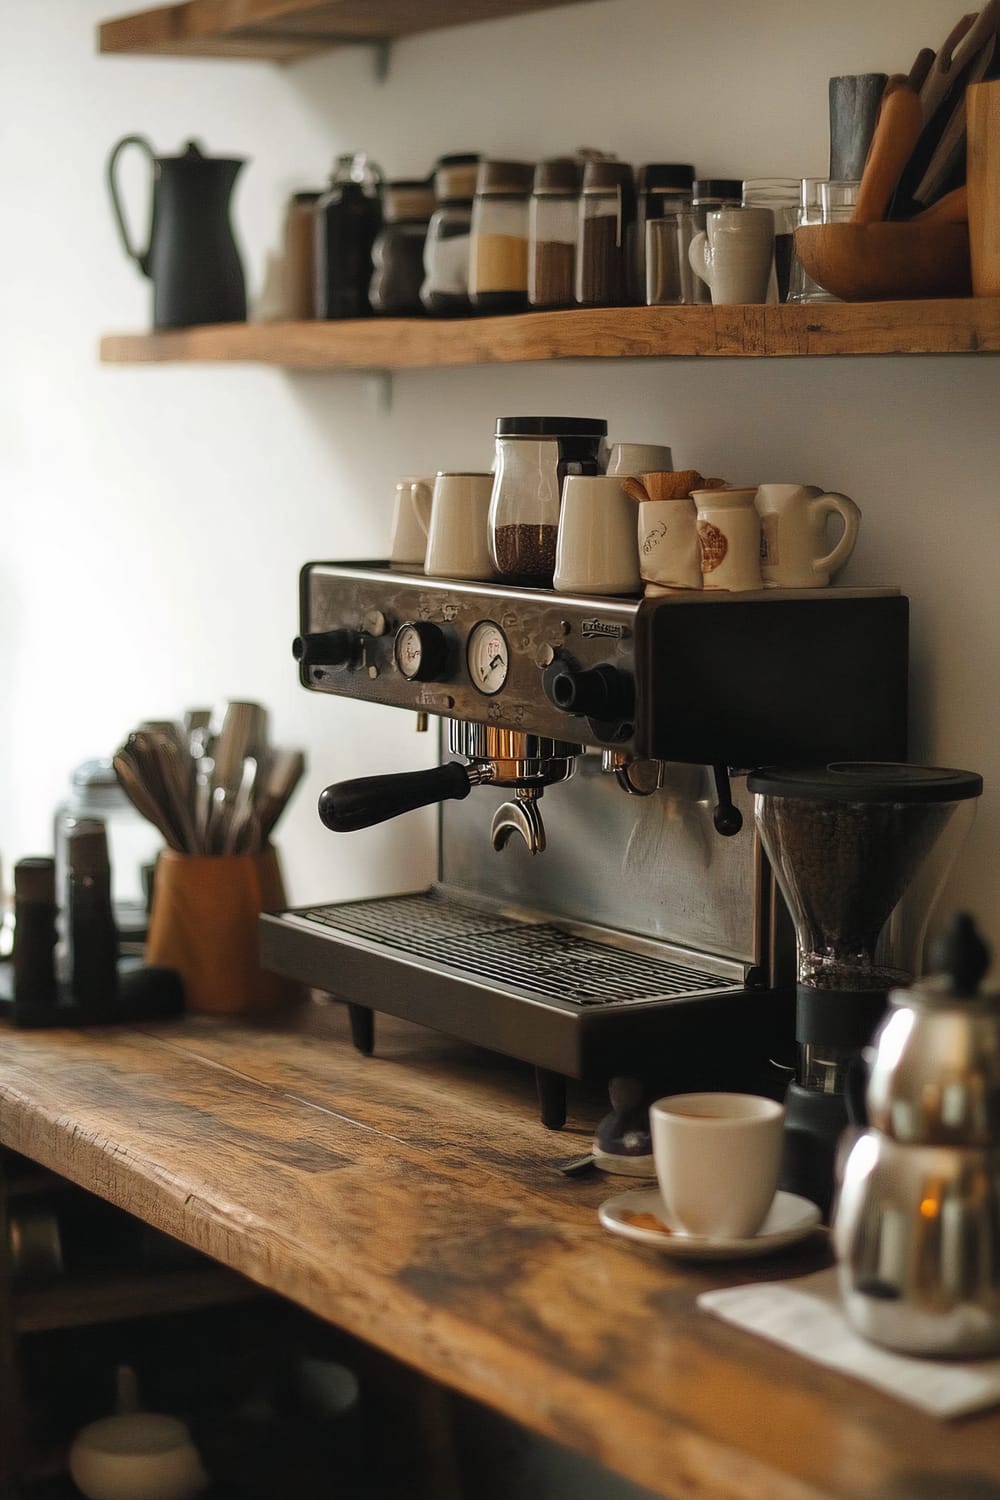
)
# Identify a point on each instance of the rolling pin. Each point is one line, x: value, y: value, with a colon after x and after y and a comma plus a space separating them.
x: 898, y: 129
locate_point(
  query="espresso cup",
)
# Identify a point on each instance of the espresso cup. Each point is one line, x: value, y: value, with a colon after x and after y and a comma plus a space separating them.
x: 669, y: 550
x: 733, y: 254
x: 729, y: 536
x: 458, y: 535
x: 638, y: 458
x: 717, y: 1161
x: 410, y: 519
x: 596, y: 547
x: 794, y: 551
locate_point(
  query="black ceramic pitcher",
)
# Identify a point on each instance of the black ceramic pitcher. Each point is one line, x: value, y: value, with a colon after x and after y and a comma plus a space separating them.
x: 191, y: 256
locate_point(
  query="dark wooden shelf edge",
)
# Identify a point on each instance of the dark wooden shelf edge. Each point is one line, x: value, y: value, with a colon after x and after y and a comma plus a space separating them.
x: 959, y: 326
x: 110, y: 1299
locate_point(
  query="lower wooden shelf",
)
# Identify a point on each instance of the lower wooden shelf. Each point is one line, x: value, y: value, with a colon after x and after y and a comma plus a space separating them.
x: 83, y: 1302
x: 947, y: 326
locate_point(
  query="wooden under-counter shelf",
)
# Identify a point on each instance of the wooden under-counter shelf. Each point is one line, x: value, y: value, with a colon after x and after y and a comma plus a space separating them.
x: 284, y: 30
x: 413, y: 1199
x: 959, y: 326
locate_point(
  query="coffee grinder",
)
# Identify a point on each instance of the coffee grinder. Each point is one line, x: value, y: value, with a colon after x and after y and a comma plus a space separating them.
x: 860, y: 851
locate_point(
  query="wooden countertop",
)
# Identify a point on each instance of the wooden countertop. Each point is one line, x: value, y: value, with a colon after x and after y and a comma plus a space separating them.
x: 412, y: 1198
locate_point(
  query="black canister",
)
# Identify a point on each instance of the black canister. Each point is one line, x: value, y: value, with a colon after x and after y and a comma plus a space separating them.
x: 348, y: 217
x: 36, y: 992
x: 93, y: 934
x: 398, y: 251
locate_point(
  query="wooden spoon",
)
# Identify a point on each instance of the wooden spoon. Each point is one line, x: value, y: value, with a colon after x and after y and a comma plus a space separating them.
x: 900, y: 123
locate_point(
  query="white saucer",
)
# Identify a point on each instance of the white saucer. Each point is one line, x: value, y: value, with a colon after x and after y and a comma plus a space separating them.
x: 789, y: 1218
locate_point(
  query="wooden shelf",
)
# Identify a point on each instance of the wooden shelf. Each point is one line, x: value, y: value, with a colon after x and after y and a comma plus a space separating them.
x: 285, y: 30
x: 959, y: 326
x: 81, y: 1303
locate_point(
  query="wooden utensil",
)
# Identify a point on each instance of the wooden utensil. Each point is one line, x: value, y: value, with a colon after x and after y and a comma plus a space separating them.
x: 984, y: 188
x: 953, y: 208
x: 898, y: 129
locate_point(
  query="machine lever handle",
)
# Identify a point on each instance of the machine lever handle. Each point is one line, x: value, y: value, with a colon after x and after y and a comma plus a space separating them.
x: 349, y: 805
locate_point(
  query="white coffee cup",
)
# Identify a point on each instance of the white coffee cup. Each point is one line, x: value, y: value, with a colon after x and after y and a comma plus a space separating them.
x: 729, y: 535
x: 639, y: 458
x: 596, y: 547
x: 794, y: 551
x: 458, y: 535
x: 410, y: 519
x: 717, y: 1161
x: 734, y: 254
x: 669, y: 550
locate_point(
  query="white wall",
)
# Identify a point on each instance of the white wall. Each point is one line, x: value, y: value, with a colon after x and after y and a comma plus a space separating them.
x: 154, y: 519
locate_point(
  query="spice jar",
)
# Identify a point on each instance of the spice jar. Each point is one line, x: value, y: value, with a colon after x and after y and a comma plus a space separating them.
x: 533, y: 456
x: 552, y: 226
x: 708, y: 194
x: 398, y: 250
x: 498, y: 253
x: 348, y: 217
x: 300, y: 256
x: 781, y: 195
x: 445, y: 289
x: 605, y: 235
x: 662, y: 189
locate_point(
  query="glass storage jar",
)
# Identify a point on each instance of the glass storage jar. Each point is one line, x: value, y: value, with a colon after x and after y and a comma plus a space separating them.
x: 552, y: 225
x: 300, y: 256
x: 533, y: 456
x: 498, y: 253
x: 662, y: 189
x: 348, y: 217
x: 781, y: 195
x: 605, y: 235
x: 398, y: 250
x: 445, y: 289
x: 708, y: 194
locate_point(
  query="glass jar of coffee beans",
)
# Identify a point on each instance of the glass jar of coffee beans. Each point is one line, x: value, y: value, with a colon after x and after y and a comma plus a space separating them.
x: 533, y: 456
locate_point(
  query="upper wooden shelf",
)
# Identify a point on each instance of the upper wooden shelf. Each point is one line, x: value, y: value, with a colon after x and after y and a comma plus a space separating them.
x: 961, y: 326
x: 285, y: 30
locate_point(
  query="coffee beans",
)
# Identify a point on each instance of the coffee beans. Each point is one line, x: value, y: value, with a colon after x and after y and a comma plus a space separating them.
x: 526, y: 554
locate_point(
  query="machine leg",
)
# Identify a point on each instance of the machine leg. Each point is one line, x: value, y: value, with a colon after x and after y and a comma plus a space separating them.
x: 551, y: 1089
x: 362, y: 1028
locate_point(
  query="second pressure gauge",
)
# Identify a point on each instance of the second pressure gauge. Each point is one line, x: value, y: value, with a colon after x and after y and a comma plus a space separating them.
x: 488, y: 657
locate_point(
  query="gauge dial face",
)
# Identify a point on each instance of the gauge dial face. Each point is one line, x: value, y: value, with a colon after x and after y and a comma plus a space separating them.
x: 408, y: 650
x: 488, y: 657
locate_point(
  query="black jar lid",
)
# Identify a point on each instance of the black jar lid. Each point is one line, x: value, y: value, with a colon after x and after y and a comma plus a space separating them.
x: 660, y: 175
x: 561, y: 175
x: 605, y: 176
x: 551, y: 427
x: 867, y: 781
x: 504, y: 177
x: 718, y: 187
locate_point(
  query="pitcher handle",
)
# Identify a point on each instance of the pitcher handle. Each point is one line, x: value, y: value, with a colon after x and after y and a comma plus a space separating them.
x: 141, y: 258
x: 421, y: 495
x: 698, y: 257
x: 850, y: 514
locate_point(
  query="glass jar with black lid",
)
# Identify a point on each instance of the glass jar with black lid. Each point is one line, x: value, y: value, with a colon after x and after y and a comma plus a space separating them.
x: 498, y: 253
x: 552, y: 230
x: 662, y: 190
x: 445, y: 289
x: 398, y: 251
x: 605, y: 235
x: 533, y: 456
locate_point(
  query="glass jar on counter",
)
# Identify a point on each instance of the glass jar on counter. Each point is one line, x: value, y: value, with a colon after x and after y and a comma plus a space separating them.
x: 781, y: 195
x: 552, y: 228
x: 662, y: 189
x: 398, y: 250
x: 348, y: 217
x: 605, y: 246
x: 498, y: 253
x: 533, y: 456
x: 445, y: 289
x: 708, y: 194
x: 133, y: 844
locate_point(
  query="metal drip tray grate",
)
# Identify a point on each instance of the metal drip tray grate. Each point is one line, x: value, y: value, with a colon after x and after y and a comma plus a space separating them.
x: 541, y: 960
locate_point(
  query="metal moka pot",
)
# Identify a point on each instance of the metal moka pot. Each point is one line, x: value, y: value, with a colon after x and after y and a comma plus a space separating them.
x: 916, y: 1225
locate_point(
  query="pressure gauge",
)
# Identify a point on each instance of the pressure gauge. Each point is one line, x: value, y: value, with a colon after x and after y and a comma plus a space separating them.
x: 488, y: 657
x: 420, y: 651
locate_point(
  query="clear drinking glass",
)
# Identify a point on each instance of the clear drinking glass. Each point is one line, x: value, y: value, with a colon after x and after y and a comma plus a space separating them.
x: 669, y: 277
x: 836, y: 201
x: 781, y: 195
x: 801, y: 287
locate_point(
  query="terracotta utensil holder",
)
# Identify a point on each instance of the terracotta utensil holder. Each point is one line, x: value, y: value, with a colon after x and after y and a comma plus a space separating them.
x: 982, y: 105
x: 203, y: 923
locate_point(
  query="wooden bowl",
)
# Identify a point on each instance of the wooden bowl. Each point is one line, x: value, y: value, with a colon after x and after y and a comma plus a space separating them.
x: 887, y: 262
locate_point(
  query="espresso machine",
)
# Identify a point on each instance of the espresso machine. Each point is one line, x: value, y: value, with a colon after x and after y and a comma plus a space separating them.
x: 603, y: 904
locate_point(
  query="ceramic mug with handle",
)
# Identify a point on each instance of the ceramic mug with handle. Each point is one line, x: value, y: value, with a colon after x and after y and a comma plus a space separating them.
x: 458, y: 535
x: 734, y: 254
x: 411, y: 518
x: 794, y: 548
x: 729, y: 534
x: 597, y: 551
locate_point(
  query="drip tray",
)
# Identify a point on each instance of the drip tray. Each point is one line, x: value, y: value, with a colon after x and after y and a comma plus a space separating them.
x: 577, y: 1000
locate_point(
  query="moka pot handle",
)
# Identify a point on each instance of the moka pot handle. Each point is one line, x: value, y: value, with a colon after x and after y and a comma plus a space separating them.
x: 141, y: 258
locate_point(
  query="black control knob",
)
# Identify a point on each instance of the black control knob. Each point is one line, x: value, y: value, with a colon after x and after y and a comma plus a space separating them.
x: 420, y: 651
x: 604, y: 692
x: 325, y: 648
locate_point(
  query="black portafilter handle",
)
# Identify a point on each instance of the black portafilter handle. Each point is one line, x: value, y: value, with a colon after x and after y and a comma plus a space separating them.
x: 349, y: 805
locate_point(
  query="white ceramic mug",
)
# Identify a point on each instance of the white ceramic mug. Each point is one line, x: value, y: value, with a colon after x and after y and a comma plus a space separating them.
x: 458, y: 535
x: 669, y: 550
x: 794, y: 551
x: 717, y: 1161
x: 729, y: 535
x: 411, y: 517
x: 734, y: 253
x: 638, y: 458
x: 596, y: 547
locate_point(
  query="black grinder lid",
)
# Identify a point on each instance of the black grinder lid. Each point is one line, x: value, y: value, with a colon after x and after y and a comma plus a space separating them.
x: 551, y: 427
x: 867, y: 781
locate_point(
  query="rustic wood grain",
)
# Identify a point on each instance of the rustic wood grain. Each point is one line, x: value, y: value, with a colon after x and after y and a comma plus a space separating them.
x: 956, y: 326
x: 284, y: 30
x: 412, y: 1199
